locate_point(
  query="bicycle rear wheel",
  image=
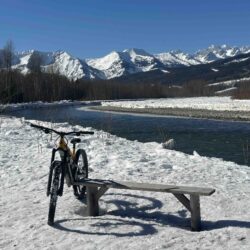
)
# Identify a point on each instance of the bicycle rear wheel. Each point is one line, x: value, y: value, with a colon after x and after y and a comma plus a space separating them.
x: 80, y: 172
x: 54, y: 192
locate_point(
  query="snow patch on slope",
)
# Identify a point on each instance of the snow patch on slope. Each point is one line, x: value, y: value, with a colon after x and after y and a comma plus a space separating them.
x: 215, y: 70
x: 226, y: 91
x: 230, y: 82
x: 238, y: 60
x: 110, y: 65
x: 66, y: 65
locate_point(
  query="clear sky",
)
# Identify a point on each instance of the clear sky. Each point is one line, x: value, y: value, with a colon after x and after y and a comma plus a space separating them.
x: 93, y: 28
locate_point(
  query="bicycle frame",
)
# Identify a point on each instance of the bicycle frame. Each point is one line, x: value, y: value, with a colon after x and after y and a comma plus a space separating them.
x: 67, y: 158
x: 64, y: 146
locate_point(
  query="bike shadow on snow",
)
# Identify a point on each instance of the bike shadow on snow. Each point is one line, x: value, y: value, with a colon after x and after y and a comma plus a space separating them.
x: 107, y: 226
x: 143, y: 217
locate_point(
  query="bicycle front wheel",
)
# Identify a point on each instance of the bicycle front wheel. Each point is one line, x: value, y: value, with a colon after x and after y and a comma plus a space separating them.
x: 54, y: 192
x: 80, y: 172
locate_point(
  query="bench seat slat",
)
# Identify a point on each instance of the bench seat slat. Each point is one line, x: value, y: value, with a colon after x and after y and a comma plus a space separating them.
x: 147, y: 187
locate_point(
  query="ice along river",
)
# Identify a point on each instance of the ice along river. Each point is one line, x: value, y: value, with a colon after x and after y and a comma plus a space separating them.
x: 212, y: 138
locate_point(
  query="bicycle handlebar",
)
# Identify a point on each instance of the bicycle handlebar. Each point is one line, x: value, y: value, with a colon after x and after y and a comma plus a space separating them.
x: 49, y: 130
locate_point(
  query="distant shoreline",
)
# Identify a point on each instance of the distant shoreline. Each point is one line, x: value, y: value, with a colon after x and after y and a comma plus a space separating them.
x: 184, y: 112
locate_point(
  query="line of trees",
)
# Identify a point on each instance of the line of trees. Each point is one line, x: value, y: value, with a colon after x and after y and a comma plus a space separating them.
x: 243, y: 90
x: 40, y: 86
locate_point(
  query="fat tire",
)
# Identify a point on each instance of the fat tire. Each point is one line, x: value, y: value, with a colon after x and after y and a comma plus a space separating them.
x: 80, y: 190
x: 54, y: 193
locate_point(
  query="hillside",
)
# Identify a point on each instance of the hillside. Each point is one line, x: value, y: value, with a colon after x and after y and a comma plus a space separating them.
x: 220, y: 70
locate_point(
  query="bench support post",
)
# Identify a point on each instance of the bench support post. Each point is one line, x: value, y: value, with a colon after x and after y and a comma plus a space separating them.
x: 92, y: 201
x: 195, y: 212
x: 183, y: 200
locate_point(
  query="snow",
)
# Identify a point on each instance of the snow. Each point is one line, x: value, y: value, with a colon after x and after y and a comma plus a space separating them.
x: 227, y: 90
x: 165, y: 71
x: 105, y: 62
x: 66, y: 65
x: 208, y: 55
x: 176, y: 58
x: 60, y: 62
x: 22, y: 63
x: 238, y: 60
x: 130, y: 219
x: 230, y: 82
x: 110, y: 65
x: 129, y: 61
x: 216, y: 52
x: 215, y: 70
x: 206, y: 103
x: 40, y: 104
x: 134, y: 52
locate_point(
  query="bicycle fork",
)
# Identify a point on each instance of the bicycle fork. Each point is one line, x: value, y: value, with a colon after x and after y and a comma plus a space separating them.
x: 53, y: 167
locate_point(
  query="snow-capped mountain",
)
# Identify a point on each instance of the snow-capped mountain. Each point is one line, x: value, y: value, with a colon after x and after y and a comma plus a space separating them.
x: 22, y: 59
x: 176, y: 59
x: 129, y: 61
x: 58, y: 62
x: 211, y: 54
x: 126, y: 62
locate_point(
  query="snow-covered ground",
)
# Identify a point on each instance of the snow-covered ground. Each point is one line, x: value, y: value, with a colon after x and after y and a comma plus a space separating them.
x: 206, y: 103
x: 130, y: 219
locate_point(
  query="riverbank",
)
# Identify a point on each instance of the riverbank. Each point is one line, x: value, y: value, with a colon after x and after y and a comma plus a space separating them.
x: 40, y: 105
x: 184, y: 112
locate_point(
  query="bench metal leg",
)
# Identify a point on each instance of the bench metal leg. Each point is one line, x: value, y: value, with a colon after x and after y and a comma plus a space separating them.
x: 92, y: 201
x: 195, y: 212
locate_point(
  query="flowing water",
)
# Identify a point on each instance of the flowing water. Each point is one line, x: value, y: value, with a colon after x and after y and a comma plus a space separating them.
x: 223, y: 139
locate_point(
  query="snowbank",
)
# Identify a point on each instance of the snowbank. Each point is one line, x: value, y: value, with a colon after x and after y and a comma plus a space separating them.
x: 130, y: 220
x: 40, y: 104
x: 206, y: 103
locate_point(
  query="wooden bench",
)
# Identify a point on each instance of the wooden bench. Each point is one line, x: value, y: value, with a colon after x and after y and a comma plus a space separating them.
x: 96, y: 188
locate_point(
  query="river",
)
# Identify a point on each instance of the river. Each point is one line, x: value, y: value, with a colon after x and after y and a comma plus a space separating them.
x: 213, y: 138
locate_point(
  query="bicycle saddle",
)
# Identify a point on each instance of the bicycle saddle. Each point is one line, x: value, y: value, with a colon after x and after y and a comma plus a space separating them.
x: 75, y: 140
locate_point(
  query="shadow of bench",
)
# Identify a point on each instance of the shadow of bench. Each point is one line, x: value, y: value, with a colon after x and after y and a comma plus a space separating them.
x: 96, y: 188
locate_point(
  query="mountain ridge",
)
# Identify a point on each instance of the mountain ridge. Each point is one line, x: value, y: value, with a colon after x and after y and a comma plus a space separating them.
x: 124, y: 63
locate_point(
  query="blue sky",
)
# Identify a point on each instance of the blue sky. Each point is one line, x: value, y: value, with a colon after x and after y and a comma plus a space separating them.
x: 93, y: 28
